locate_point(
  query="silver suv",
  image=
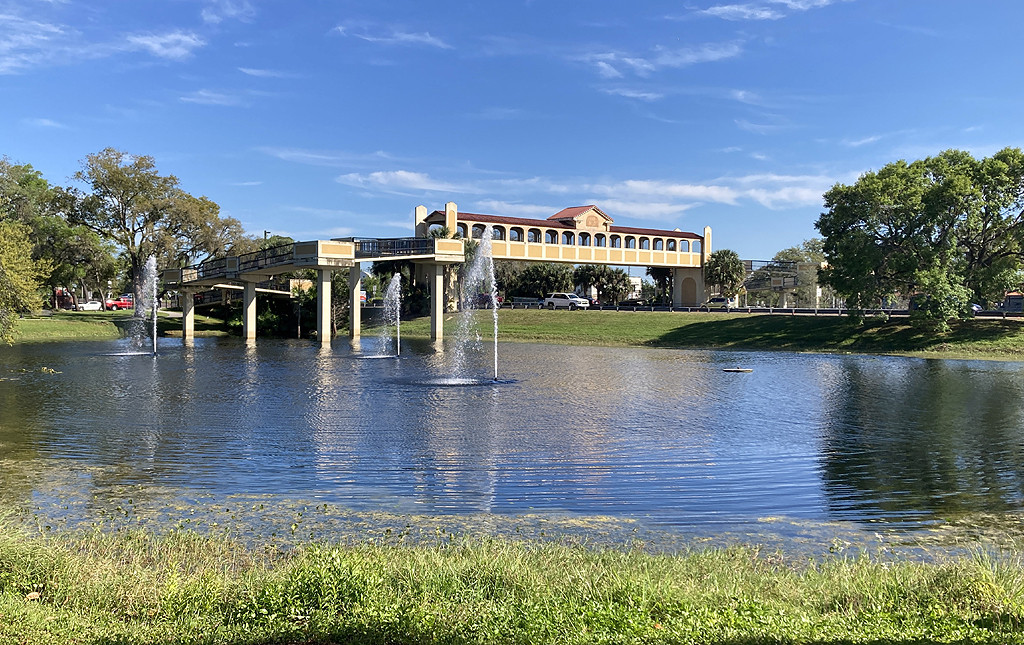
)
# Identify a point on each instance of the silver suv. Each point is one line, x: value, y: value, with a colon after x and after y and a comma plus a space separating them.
x: 565, y: 301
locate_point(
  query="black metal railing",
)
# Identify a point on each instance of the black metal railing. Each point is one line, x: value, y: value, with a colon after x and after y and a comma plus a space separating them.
x: 264, y: 258
x: 393, y: 247
x: 215, y: 268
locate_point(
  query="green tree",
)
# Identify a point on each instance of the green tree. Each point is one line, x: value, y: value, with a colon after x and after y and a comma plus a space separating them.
x: 725, y: 270
x: 19, y: 276
x: 662, y: 277
x: 947, y: 230
x: 542, y: 278
x: 613, y: 284
x: 143, y: 212
x: 76, y: 257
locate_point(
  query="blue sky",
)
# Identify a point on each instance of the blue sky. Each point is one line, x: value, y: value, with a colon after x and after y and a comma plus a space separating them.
x: 325, y: 119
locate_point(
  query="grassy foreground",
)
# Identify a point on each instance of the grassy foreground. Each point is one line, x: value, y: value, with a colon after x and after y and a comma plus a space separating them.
x: 135, y: 587
x: 978, y: 338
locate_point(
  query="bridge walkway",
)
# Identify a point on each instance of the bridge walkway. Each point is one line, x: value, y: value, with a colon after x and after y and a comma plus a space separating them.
x: 323, y: 256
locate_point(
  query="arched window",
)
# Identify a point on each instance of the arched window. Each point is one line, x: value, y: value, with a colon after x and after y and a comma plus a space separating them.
x: 696, y: 246
x: 671, y: 245
x: 568, y: 237
x: 630, y: 242
x: 616, y: 242
x: 461, y: 228
x: 600, y: 240
x: 645, y: 243
x: 659, y: 244
x: 533, y: 235
x: 584, y: 239
x: 497, y: 232
x: 551, y: 237
x: 478, y: 231
x: 515, y: 234
x: 684, y: 246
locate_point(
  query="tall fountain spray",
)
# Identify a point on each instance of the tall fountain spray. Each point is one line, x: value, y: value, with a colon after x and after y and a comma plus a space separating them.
x: 392, y: 316
x: 478, y: 289
x: 149, y: 294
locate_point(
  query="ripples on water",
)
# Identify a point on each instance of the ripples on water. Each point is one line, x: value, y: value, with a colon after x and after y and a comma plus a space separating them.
x: 663, y: 437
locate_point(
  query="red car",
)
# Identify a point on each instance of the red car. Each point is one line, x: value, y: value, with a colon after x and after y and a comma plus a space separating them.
x: 121, y: 302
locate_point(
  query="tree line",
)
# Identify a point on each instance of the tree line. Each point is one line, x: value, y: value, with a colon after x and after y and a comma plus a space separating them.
x: 945, y: 232
x: 102, y: 230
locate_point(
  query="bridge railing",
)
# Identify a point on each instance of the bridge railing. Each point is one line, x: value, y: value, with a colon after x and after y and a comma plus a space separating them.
x: 394, y: 247
x: 273, y: 256
x: 215, y: 268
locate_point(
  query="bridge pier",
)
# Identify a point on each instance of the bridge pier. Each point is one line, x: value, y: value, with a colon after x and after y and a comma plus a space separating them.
x: 249, y: 311
x: 435, y: 273
x: 355, y: 306
x: 188, y: 313
x: 323, y: 306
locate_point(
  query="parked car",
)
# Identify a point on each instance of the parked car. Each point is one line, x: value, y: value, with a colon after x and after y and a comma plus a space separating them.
x: 121, y: 302
x: 633, y: 302
x: 483, y: 300
x: 90, y: 305
x: 565, y: 301
x: 717, y: 303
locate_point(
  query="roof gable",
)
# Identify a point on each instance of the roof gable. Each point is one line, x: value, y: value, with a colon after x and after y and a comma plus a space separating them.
x: 577, y: 214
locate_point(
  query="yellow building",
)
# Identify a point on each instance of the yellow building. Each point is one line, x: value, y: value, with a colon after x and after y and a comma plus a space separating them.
x: 584, y: 235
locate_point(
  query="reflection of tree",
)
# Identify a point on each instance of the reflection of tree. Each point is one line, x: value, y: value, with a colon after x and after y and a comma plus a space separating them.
x: 903, y: 442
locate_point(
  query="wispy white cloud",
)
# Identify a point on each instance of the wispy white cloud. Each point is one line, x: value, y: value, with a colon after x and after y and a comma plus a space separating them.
x: 219, y: 10
x: 264, y: 73
x: 44, y: 123
x: 761, y: 128
x: 742, y: 12
x: 612, y: 64
x: 856, y: 143
x: 762, y: 10
x: 209, y: 97
x: 401, y: 181
x: 391, y: 36
x: 334, y: 159
x: 245, y: 184
x: 26, y: 43
x: 633, y: 94
x: 175, y: 45
x: 514, y: 209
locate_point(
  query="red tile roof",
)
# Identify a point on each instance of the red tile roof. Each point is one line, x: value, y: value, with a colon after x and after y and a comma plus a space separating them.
x: 558, y: 221
x: 571, y: 212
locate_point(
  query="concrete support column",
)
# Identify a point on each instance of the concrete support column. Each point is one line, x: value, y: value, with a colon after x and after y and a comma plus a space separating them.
x: 188, y: 313
x: 355, y: 304
x: 323, y: 306
x: 436, y: 275
x: 677, y: 288
x: 249, y: 311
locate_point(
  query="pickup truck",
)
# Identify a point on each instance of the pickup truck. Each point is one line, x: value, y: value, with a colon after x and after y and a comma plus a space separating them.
x: 121, y: 302
x: 565, y: 301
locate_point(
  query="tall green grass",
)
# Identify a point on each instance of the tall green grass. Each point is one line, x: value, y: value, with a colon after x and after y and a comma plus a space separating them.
x: 182, y: 587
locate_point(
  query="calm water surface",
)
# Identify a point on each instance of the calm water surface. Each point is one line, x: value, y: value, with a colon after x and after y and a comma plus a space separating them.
x: 664, y: 438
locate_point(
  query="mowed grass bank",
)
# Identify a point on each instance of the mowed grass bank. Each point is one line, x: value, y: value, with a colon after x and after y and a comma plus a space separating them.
x: 99, y: 325
x: 134, y: 587
x: 979, y: 338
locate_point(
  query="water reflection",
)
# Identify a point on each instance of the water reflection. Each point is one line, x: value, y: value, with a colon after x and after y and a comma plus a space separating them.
x: 659, y: 436
x: 913, y: 439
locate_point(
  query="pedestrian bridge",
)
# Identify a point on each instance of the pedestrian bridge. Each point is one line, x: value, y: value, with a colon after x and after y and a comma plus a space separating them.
x: 577, y: 235
x: 323, y: 256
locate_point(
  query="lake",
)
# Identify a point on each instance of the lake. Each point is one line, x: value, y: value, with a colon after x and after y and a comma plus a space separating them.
x: 286, y: 437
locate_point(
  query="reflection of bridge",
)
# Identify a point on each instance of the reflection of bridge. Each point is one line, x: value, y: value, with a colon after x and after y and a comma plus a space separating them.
x: 580, y: 235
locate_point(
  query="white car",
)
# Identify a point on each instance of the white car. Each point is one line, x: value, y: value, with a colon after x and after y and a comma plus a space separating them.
x: 565, y: 301
x: 90, y: 305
